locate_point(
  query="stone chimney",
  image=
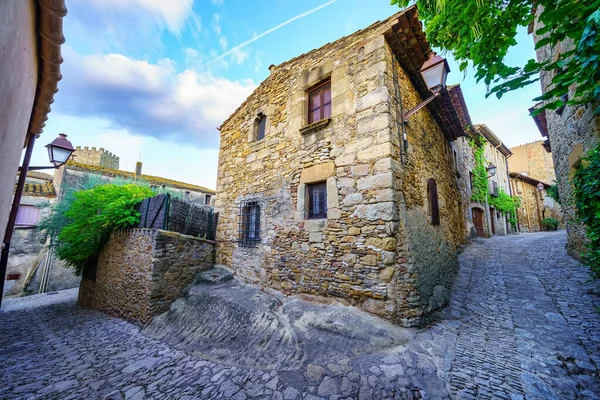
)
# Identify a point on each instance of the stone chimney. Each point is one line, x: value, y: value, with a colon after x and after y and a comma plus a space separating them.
x: 138, y: 169
x: 272, y: 68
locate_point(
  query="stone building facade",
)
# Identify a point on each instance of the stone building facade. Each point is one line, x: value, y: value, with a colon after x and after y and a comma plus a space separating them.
x: 532, y: 159
x: 141, y: 272
x: 346, y: 202
x: 31, y: 36
x: 536, y: 205
x: 571, y: 132
x: 100, y: 157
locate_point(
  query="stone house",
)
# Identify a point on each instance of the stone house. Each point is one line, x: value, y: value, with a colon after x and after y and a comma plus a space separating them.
x: 536, y: 205
x: 322, y: 189
x: 86, y: 161
x: 30, y: 36
x: 532, y: 159
x: 496, y: 153
x: 570, y: 132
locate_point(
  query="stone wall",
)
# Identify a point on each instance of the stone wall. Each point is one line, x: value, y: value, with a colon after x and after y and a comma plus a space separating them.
x: 535, y: 206
x: 572, y: 132
x: 141, y: 272
x: 533, y: 160
x: 363, y: 253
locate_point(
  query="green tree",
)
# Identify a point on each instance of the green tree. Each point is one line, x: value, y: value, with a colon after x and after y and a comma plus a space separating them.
x: 480, y: 33
x: 83, y: 221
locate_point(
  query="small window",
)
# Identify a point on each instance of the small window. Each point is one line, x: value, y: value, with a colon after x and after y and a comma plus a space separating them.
x: 260, y: 124
x: 432, y: 196
x: 27, y: 215
x: 187, y: 194
x: 207, y: 199
x: 249, y: 224
x: 317, y: 200
x: 319, y: 102
x: 471, y: 180
x: 494, y: 190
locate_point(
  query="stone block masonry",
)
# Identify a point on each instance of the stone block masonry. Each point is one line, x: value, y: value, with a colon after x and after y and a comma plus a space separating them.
x: 141, y: 272
x: 366, y: 249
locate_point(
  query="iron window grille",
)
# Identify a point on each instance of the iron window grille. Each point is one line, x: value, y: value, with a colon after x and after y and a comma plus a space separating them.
x: 319, y: 102
x: 249, y: 224
x: 317, y: 200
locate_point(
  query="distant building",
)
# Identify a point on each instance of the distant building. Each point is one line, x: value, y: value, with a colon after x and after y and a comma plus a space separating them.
x: 86, y: 161
x: 533, y: 160
x: 536, y: 205
x: 322, y: 189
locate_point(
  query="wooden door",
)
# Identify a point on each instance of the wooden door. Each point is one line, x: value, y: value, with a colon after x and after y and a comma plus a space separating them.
x: 478, y: 221
x: 492, y: 217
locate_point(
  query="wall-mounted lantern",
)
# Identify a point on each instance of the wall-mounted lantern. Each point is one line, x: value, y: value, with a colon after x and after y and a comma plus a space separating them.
x: 491, y: 169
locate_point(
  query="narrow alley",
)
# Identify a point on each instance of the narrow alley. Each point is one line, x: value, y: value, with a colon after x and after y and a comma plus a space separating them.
x: 521, y: 325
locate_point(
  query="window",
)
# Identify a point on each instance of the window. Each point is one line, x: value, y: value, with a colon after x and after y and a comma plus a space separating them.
x: 260, y: 125
x: 494, y: 191
x: 187, y: 194
x: 317, y: 200
x: 207, y: 199
x: 27, y: 215
x: 471, y: 180
x: 432, y: 196
x: 319, y: 102
x: 249, y: 224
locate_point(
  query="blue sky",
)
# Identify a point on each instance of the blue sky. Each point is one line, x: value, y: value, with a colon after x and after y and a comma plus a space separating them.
x: 152, y: 79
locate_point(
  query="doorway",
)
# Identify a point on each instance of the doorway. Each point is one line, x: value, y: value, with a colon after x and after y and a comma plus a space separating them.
x: 492, y: 223
x: 478, y: 221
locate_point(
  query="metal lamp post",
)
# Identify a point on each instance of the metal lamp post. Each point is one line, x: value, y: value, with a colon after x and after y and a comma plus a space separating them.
x: 434, y: 72
x: 59, y: 152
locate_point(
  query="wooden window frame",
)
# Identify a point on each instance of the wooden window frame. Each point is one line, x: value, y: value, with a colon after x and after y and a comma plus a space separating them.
x: 260, y: 122
x: 434, y: 206
x: 310, y: 193
x: 320, y: 90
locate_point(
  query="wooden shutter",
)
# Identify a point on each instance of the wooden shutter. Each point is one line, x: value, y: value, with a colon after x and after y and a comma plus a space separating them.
x: 434, y: 208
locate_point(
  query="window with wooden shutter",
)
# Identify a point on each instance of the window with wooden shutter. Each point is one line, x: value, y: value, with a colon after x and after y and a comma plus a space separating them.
x: 432, y: 196
x: 27, y: 215
x: 319, y: 102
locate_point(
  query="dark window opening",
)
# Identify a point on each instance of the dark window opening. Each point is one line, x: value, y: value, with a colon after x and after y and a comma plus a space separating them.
x: 319, y: 102
x: 471, y: 180
x: 494, y: 191
x: 317, y: 200
x: 261, y: 125
x: 434, y: 208
x: 249, y: 224
x: 207, y: 199
x: 187, y: 194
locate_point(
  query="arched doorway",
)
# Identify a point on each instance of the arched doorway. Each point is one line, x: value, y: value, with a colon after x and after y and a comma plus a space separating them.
x: 478, y: 221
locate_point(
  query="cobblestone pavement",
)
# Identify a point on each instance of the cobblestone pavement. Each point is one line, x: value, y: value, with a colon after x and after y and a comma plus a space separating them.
x: 521, y: 325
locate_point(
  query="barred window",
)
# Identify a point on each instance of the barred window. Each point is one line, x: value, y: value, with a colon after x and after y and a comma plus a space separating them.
x: 317, y: 200
x: 249, y: 224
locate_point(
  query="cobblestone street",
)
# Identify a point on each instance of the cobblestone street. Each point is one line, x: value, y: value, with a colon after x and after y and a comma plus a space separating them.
x: 521, y: 325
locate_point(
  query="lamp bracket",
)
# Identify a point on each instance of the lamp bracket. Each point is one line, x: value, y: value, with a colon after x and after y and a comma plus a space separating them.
x: 413, y: 111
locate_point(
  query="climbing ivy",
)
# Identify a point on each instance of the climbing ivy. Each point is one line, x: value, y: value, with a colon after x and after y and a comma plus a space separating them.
x: 553, y: 193
x: 586, y: 190
x: 503, y: 202
x: 480, y: 182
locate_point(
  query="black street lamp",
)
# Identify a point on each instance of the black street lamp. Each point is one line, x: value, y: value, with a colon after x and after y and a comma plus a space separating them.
x: 59, y: 152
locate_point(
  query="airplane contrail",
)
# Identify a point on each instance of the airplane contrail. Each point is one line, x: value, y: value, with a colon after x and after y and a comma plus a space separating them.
x: 265, y: 33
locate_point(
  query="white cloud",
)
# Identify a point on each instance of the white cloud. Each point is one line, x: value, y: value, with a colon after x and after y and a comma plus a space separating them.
x: 223, y: 42
x: 149, y: 99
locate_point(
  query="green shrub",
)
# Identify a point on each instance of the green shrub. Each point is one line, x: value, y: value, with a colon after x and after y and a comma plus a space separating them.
x: 586, y: 190
x: 87, y: 218
x: 553, y: 193
x: 550, y: 224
